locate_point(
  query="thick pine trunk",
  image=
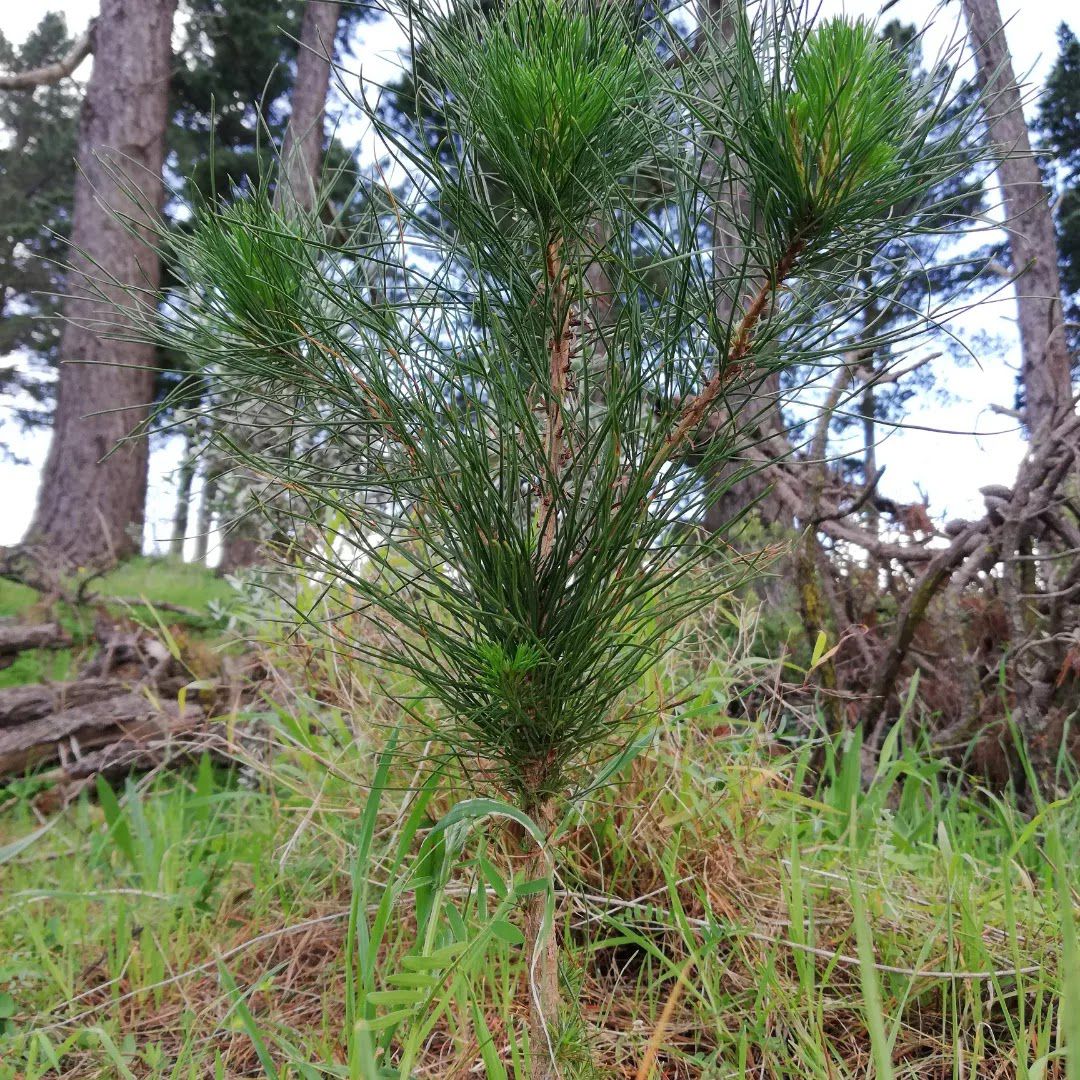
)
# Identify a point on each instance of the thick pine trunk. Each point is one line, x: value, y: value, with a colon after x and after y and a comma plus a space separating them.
x: 1045, y: 367
x: 302, y: 152
x: 90, y: 511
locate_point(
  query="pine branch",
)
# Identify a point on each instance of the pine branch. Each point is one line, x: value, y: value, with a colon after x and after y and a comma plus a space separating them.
x: 698, y: 407
x: 559, y: 377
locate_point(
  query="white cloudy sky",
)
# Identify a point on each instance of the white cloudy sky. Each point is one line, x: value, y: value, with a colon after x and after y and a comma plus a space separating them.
x: 955, y: 448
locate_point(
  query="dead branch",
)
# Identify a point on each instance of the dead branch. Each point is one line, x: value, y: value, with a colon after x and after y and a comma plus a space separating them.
x: 16, y: 638
x: 73, y: 732
x: 48, y: 74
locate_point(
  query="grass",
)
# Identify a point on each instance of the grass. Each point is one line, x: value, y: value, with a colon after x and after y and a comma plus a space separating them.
x: 305, y: 913
x: 130, y: 592
x: 165, y: 580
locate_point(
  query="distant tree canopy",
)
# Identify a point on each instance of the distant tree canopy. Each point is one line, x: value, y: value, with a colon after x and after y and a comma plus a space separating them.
x: 1059, y: 126
x: 38, y: 129
x: 229, y: 105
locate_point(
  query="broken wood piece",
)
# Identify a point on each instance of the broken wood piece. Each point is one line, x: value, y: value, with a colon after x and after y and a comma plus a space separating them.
x: 16, y: 638
x: 73, y: 732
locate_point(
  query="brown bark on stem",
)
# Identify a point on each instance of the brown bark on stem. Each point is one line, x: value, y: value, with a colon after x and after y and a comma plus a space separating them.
x: 698, y: 407
x: 542, y: 958
x: 558, y: 386
x: 542, y: 947
x: 757, y: 403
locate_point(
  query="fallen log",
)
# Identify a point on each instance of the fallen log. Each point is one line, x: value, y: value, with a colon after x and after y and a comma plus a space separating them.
x: 16, y: 638
x: 24, y: 704
x: 73, y: 732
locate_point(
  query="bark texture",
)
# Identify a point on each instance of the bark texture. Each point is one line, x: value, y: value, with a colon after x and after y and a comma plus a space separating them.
x: 121, y: 712
x: 302, y: 152
x: 16, y: 638
x: 90, y: 511
x: 129, y: 718
x: 1045, y: 362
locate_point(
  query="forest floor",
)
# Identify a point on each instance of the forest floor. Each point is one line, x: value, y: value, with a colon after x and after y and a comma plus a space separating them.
x: 285, y: 907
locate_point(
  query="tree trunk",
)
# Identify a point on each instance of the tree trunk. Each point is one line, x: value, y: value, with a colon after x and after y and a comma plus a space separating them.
x: 302, y: 152
x: 184, y: 478
x: 1045, y: 367
x: 241, y: 547
x: 205, y: 520
x: 91, y: 511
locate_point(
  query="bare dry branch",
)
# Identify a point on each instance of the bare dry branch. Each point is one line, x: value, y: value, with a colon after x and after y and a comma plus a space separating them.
x: 48, y: 74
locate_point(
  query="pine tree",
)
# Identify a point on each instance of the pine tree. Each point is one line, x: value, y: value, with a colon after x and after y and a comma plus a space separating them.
x: 233, y: 75
x: 90, y: 506
x: 1059, y: 128
x: 37, y: 183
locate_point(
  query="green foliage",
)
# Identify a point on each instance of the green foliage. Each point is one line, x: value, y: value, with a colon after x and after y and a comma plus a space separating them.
x: 555, y: 102
x: 159, y: 580
x: 234, y: 71
x: 37, y: 177
x: 764, y: 886
x: 130, y: 591
x: 848, y: 106
x: 837, y: 130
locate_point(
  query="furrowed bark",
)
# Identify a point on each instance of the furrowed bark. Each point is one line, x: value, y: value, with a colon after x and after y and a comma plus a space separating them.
x: 90, y: 508
x: 302, y: 151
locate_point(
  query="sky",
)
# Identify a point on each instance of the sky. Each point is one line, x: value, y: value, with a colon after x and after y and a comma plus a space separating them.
x: 948, y: 450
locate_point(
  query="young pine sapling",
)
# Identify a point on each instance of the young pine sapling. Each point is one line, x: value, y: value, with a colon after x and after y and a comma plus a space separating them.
x: 482, y: 408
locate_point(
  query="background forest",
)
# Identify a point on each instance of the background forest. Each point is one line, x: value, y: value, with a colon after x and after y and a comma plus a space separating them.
x: 548, y: 669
